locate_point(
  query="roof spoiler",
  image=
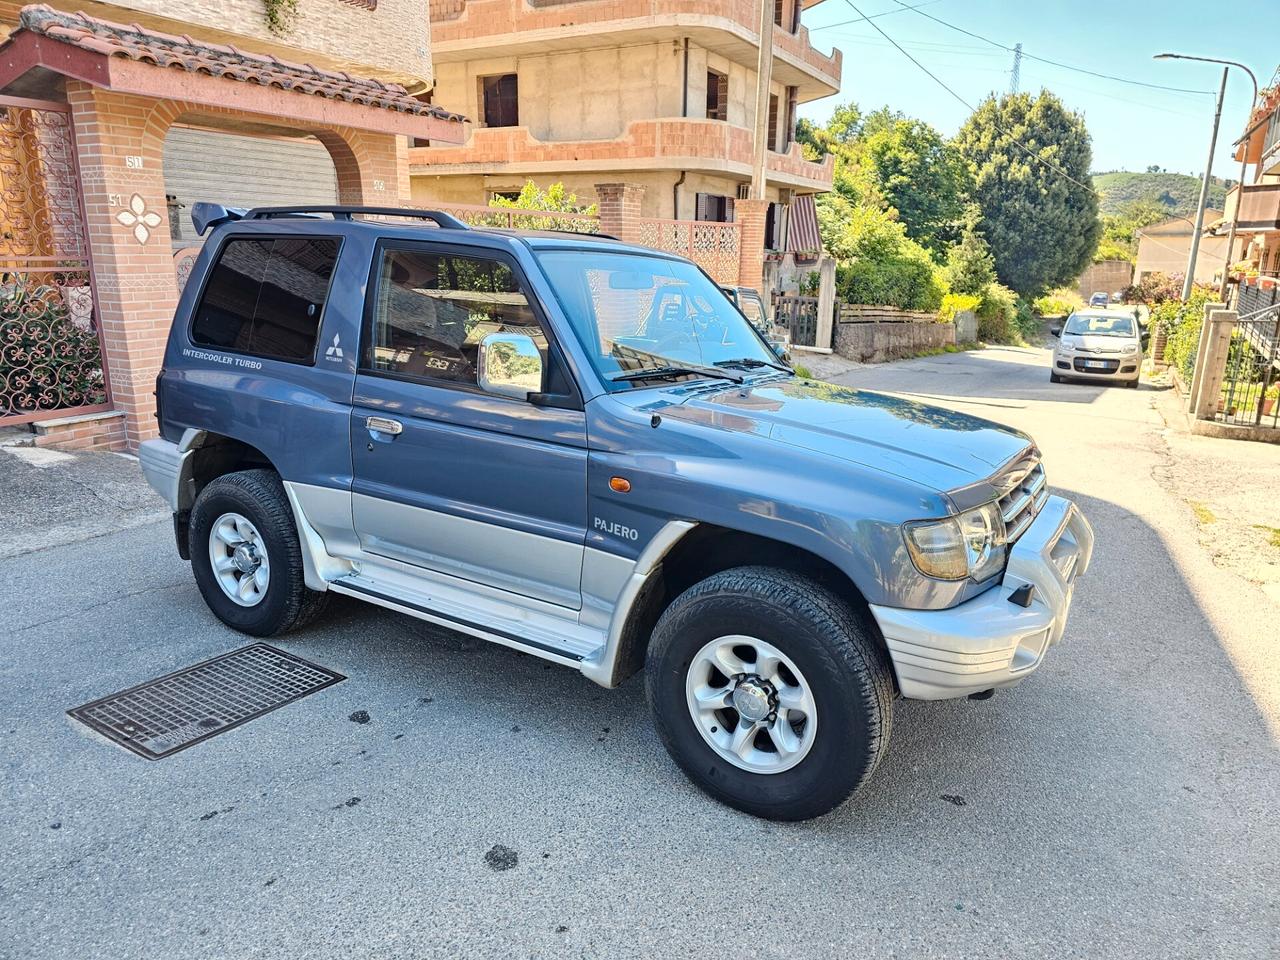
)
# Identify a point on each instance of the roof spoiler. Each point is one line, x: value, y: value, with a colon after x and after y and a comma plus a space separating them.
x: 205, y: 215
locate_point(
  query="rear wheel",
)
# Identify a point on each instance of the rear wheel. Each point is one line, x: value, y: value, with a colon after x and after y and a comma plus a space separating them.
x: 246, y: 556
x: 770, y: 692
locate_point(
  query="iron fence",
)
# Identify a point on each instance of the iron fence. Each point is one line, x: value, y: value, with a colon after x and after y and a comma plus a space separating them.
x: 1251, y: 383
x: 51, y: 358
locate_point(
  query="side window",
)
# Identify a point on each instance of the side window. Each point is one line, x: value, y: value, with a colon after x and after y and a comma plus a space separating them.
x: 265, y: 297
x: 433, y: 309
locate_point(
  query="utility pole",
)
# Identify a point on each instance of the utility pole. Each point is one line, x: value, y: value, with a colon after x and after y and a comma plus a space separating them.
x: 764, y: 76
x: 1204, y: 192
x: 1015, y: 76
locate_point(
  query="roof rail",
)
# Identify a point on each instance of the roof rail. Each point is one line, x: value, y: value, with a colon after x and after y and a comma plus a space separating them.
x: 446, y: 221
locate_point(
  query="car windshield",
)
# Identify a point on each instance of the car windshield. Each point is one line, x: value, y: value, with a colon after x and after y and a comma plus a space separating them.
x: 1082, y: 324
x: 635, y: 313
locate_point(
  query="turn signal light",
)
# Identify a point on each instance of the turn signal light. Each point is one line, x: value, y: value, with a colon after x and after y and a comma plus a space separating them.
x: 619, y: 484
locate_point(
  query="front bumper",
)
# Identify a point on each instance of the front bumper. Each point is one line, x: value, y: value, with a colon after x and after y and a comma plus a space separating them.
x: 990, y: 641
x: 1119, y: 367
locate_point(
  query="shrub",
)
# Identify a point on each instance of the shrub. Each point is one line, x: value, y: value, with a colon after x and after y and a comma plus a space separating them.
x: 905, y: 282
x: 970, y: 268
x: 1182, y: 323
x: 1058, y: 303
x: 954, y: 303
x: 997, y: 315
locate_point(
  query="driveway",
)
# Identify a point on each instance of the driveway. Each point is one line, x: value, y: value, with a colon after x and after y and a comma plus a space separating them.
x: 1121, y: 803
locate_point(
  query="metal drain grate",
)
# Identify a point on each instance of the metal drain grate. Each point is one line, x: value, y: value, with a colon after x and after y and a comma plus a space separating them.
x: 163, y: 716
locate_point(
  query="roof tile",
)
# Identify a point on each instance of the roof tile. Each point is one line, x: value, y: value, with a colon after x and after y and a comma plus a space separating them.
x: 140, y: 44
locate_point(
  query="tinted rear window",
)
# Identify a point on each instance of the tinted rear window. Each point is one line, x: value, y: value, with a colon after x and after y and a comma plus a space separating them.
x: 265, y: 297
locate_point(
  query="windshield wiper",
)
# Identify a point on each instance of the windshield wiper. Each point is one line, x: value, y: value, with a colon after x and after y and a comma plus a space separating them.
x: 752, y: 363
x: 671, y: 372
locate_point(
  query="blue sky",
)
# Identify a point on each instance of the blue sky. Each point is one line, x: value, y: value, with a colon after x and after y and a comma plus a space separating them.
x: 1132, y: 126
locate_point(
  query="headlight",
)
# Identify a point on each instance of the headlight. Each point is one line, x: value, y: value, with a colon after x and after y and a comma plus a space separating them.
x: 1130, y: 348
x: 1067, y: 345
x: 970, y: 545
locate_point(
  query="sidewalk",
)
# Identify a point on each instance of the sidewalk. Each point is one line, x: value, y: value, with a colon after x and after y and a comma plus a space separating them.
x: 48, y: 497
x: 1232, y: 488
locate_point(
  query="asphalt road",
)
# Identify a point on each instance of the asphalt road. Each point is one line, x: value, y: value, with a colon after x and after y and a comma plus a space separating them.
x: 1121, y: 803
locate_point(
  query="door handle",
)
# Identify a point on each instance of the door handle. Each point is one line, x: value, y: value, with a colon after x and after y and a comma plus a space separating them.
x: 384, y: 425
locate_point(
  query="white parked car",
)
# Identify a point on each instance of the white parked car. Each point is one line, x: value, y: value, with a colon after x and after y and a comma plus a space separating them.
x: 1099, y: 345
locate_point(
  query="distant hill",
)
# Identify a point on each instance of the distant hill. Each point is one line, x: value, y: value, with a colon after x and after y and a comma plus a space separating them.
x: 1177, y: 191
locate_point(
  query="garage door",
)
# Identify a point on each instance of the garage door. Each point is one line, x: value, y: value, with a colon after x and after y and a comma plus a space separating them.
x: 242, y: 171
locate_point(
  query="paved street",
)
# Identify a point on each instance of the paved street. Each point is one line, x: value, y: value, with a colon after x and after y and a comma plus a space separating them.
x: 1121, y: 803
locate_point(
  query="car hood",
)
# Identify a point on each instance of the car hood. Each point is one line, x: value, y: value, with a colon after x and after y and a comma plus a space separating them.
x: 932, y: 446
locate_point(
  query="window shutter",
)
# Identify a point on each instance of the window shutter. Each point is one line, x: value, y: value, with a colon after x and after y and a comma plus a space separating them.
x: 700, y: 210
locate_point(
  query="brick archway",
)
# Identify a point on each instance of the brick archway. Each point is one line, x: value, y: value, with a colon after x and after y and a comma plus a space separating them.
x: 120, y: 140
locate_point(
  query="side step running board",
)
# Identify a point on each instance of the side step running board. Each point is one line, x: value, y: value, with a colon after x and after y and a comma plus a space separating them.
x: 352, y: 586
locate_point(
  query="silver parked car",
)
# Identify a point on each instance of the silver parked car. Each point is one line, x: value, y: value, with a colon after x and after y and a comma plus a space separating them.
x: 1099, y: 345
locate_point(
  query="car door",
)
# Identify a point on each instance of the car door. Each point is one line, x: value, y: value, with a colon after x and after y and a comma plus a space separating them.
x: 447, y: 476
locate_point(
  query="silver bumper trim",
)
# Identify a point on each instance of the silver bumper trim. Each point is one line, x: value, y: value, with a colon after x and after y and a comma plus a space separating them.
x: 988, y: 641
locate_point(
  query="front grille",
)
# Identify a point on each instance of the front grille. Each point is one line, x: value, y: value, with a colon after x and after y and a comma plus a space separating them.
x: 1023, y: 502
x: 1108, y: 366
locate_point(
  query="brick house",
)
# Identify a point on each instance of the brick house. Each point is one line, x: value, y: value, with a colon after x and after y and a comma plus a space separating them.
x: 113, y: 121
x: 656, y: 108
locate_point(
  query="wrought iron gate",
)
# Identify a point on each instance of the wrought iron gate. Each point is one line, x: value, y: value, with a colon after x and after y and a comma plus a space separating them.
x: 51, y: 360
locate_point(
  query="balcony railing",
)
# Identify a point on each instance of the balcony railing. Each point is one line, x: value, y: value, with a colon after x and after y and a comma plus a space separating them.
x: 677, y: 143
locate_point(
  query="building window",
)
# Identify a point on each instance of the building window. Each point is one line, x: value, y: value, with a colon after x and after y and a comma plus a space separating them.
x: 779, y: 10
x: 717, y: 96
x: 512, y: 195
x: 500, y: 100
x: 774, y: 218
x: 772, y: 139
x: 713, y: 207
x: 265, y: 297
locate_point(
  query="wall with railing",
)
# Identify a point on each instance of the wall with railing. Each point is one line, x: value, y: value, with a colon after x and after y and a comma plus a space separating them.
x: 712, y: 246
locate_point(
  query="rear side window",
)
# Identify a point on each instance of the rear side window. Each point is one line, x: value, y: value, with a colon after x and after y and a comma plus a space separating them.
x: 265, y: 297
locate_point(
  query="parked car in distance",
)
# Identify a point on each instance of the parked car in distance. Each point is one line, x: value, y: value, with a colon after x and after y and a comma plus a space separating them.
x: 1099, y: 299
x: 1098, y: 345
x: 754, y: 308
x: 1117, y: 296
x: 581, y: 450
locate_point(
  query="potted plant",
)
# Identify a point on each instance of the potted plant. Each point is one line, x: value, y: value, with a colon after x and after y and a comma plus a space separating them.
x: 1269, y: 398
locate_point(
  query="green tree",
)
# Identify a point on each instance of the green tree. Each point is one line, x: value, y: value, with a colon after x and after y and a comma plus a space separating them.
x: 555, y: 198
x: 970, y: 268
x: 1041, y: 226
x: 1120, y: 230
x: 918, y: 174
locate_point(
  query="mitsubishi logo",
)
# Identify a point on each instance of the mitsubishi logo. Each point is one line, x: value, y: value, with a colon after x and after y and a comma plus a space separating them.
x: 334, y: 352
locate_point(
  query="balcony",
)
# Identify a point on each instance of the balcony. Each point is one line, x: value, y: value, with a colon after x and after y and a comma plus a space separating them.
x: 1260, y: 209
x: 707, y: 146
x: 473, y: 29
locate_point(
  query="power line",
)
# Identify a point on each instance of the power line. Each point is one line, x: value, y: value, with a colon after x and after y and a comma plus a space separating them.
x: 884, y: 13
x: 936, y: 79
x: 1055, y: 63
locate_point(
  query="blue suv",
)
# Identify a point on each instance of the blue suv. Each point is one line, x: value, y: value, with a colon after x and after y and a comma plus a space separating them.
x: 581, y: 449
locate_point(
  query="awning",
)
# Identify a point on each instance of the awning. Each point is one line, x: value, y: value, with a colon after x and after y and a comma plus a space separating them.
x: 803, y: 238
x: 146, y: 62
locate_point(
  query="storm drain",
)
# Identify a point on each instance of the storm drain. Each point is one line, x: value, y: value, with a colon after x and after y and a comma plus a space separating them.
x: 163, y: 716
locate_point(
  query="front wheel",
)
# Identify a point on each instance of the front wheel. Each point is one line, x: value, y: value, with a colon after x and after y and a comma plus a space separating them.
x: 770, y: 692
x: 246, y: 556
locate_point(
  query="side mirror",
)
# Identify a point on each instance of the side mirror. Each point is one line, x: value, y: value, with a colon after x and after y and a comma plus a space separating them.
x: 510, y: 365
x: 1055, y: 331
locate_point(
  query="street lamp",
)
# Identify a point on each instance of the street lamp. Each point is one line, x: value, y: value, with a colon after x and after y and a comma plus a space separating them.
x: 1208, y: 172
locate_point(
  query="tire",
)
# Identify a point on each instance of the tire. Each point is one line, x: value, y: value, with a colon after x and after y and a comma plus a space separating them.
x: 1054, y: 378
x: 1132, y: 384
x: 835, y: 656
x: 257, y: 497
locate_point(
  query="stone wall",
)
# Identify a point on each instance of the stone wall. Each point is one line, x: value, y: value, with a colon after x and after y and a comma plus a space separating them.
x: 1107, y: 276
x: 877, y: 334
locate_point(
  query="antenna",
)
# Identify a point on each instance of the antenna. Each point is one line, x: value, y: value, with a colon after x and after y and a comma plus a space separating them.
x: 1014, y: 76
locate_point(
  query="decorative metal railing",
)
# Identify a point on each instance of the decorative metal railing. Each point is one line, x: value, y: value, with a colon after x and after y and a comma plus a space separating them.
x: 711, y: 245
x: 1251, y: 383
x: 51, y: 360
